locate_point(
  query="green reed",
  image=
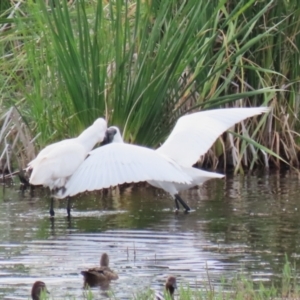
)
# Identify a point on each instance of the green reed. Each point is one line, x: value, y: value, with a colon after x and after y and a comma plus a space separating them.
x: 143, y: 64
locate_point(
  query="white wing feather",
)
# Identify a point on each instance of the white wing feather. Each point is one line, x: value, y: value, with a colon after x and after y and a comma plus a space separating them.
x: 198, y: 178
x: 119, y: 163
x: 194, y: 134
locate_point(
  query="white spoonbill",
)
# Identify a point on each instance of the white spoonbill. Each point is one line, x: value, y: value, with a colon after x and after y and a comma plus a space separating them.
x: 169, y: 167
x: 57, y: 162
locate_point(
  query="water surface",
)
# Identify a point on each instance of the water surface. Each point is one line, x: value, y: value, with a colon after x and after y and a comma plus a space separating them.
x: 243, y: 224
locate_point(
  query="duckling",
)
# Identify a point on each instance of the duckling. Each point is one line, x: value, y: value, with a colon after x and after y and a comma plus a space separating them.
x: 37, y: 288
x: 170, y: 287
x: 99, y: 275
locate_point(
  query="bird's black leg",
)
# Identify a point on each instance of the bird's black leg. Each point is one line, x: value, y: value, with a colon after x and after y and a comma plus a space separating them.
x: 31, y: 190
x: 69, y: 207
x: 182, y: 202
x: 176, y: 203
x: 51, y: 211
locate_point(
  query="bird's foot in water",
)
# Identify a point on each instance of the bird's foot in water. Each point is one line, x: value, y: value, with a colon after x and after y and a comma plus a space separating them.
x: 176, y: 211
x: 68, y: 208
x: 52, y: 213
x: 178, y: 200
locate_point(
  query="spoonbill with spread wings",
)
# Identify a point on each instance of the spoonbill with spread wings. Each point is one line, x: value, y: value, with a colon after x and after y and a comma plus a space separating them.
x: 169, y: 167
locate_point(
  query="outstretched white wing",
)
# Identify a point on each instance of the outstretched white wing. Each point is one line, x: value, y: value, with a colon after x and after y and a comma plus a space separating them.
x: 194, y: 134
x: 119, y: 163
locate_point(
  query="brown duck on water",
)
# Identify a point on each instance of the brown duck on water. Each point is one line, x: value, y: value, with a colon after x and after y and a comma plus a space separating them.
x: 170, y: 287
x: 37, y: 289
x: 99, y: 275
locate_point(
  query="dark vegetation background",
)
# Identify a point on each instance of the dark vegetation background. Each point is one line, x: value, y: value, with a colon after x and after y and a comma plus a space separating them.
x: 142, y: 64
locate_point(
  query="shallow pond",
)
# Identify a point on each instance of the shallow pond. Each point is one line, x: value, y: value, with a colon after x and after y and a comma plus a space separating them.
x: 243, y: 224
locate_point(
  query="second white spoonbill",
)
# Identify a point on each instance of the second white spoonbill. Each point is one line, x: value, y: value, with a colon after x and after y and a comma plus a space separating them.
x: 57, y: 162
x: 169, y: 167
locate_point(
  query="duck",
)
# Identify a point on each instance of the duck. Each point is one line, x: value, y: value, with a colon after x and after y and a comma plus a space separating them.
x: 170, y: 167
x: 170, y: 287
x: 37, y: 288
x: 57, y: 162
x: 99, y: 275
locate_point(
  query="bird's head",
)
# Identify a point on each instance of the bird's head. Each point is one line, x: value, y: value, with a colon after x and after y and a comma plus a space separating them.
x: 38, y: 288
x: 112, y: 135
x: 101, y: 126
x: 171, y: 284
x: 104, y: 260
